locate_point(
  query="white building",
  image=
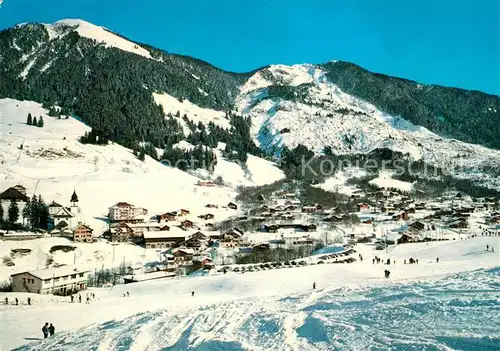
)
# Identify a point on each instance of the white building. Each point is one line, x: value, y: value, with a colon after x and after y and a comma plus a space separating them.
x: 15, y: 194
x: 61, y: 215
x: 61, y: 280
x: 123, y: 211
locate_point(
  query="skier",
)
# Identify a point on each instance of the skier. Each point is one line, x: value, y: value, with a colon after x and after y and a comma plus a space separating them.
x: 80, y: 298
x: 6, y: 300
x: 314, y: 285
x: 72, y: 298
x: 192, y: 293
x: 437, y: 260
x: 45, y: 330
x: 88, y: 299
x: 93, y: 296
x: 128, y: 294
x: 51, y: 329
x: 17, y: 302
x: 29, y: 300
x: 487, y: 247
x: 373, y: 261
x: 387, y: 273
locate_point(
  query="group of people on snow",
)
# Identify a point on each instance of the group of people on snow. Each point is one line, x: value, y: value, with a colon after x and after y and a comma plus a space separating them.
x: 488, y: 248
x: 48, y: 330
x: 16, y: 301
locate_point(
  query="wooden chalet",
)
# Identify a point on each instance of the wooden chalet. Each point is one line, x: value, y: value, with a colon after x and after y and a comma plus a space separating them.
x: 232, y: 206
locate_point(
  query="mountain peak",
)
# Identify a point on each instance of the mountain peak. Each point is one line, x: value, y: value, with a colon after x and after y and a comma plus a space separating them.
x: 91, y: 31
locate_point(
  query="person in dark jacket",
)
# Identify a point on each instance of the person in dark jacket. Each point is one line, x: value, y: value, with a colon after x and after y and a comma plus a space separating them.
x: 17, y: 301
x: 192, y: 293
x: 45, y: 330
x: 314, y: 286
x: 51, y: 329
x: 29, y: 300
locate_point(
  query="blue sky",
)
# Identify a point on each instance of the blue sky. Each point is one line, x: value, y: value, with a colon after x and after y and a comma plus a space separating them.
x: 453, y: 43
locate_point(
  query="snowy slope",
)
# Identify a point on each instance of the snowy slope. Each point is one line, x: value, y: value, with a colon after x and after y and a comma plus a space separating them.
x: 100, y: 34
x: 276, y: 310
x: 322, y: 115
x: 53, y: 163
x: 194, y: 112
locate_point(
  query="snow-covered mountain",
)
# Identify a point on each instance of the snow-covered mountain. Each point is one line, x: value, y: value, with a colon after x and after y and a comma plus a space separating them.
x: 132, y: 93
x: 298, y: 105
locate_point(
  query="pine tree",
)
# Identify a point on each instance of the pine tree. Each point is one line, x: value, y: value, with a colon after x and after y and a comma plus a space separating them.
x: 43, y: 213
x: 40, y: 122
x: 13, y: 212
x: 34, y: 123
x: 27, y: 212
x: 33, y: 214
x: 142, y: 156
x: 29, y: 121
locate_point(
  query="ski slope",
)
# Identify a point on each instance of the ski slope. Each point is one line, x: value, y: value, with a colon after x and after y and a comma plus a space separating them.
x: 353, y: 308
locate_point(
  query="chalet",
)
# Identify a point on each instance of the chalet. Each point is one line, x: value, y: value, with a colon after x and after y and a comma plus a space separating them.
x: 335, y: 218
x: 196, y: 241
x: 121, y: 233
x: 458, y: 224
x: 211, y: 206
x: 407, y: 238
x: 231, y: 238
x: 403, y: 215
x: 183, y: 212
x: 59, y: 281
x: 125, y: 212
x: 309, y: 209
x: 417, y: 225
x: 187, y: 224
x: 168, y: 216
x: 163, y: 239
x: 15, y: 194
x: 232, y: 206
x: 206, y: 216
x: 83, y: 234
x: 182, y: 256
x: 362, y: 206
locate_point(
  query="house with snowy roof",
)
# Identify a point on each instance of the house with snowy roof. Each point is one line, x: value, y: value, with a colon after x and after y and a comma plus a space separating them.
x: 61, y: 280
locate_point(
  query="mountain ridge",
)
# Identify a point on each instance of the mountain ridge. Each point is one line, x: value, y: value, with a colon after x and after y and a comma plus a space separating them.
x: 114, y: 87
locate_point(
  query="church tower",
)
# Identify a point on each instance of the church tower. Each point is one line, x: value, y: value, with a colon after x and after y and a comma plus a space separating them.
x: 75, y: 209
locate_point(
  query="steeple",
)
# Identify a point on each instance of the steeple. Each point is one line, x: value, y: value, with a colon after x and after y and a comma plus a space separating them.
x: 74, y: 197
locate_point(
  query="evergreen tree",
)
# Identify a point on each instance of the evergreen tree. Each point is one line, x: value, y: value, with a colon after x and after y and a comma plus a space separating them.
x: 142, y: 155
x: 43, y: 213
x: 27, y: 212
x: 1, y: 213
x: 29, y: 121
x: 13, y: 212
x: 33, y: 212
x: 40, y: 122
x: 34, y: 123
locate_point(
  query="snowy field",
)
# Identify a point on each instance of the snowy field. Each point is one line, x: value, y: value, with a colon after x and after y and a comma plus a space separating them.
x: 435, y: 306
